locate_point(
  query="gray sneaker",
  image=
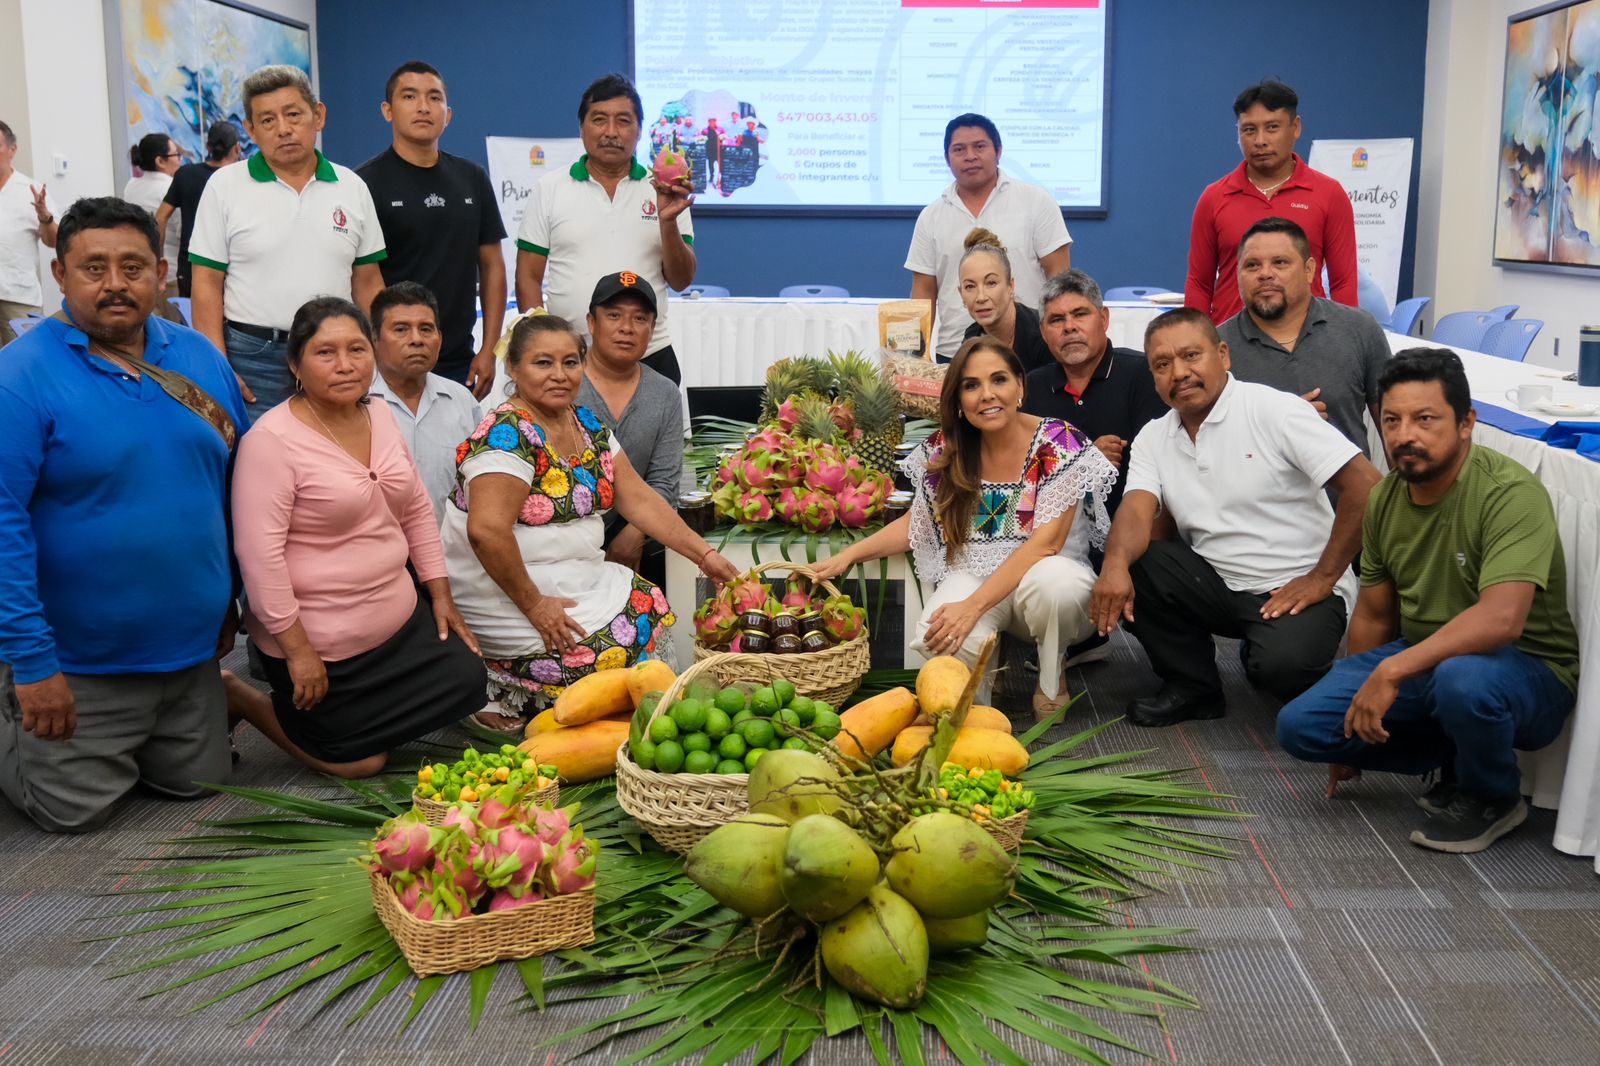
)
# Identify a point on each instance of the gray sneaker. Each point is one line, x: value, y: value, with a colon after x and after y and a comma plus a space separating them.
x: 1468, y: 825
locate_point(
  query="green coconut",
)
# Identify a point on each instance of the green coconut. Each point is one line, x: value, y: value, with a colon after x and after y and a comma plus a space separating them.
x: 827, y: 868
x: 879, y: 950
x: 946, y: 935
x: 792, y: 784
x: 949, y: 866
x: 737, y: 863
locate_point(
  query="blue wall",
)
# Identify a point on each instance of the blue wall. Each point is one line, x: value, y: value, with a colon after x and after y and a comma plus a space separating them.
x: 516, y: 67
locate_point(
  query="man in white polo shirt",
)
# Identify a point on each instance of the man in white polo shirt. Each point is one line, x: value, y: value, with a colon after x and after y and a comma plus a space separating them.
x: 1024, y: 216
x: 271, y: 234
x: 606, y: 214
x: 27, y: 219
x: 1240, y: 470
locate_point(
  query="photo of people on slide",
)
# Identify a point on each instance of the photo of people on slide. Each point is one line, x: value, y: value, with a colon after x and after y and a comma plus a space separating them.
x: 719, y: 136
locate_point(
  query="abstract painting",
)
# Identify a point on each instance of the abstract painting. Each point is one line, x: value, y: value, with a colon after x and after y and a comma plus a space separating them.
x: 1548, y: 205
x: 183, y: 63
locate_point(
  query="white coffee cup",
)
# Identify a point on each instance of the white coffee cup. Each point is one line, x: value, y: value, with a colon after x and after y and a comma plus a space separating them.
x: 1530, y: 397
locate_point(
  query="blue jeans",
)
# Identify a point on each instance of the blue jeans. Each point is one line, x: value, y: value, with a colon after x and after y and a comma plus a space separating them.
x: 264, y: 365
x: 1471, y: 713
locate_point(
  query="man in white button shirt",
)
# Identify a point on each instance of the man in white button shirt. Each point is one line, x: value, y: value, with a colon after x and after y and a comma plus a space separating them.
x: 434, y: 413
x: 1240, y: 471
x: 603, y: 215
x: 1024, y: 216
x: 271, y: 234
x: 27, y: 219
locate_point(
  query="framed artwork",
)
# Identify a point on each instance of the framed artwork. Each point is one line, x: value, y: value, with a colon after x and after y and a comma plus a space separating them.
x: 178, y: 66
x: 1547, y: 211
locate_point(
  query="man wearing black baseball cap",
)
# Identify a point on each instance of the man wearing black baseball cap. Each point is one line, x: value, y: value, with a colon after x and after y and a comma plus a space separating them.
x: 642, y: 408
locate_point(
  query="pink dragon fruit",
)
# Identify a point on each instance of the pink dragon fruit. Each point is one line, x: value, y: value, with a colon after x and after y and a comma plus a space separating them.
x: 796, y: 595
x: 788, y: 469
x: 460, y: 819
x: 572, y: 869
x: 412, y: 899
x: 747, y: 594
x: 671, y: 168
x: 727, y: 472
x: 754, y: 506
x: 788, y: 417
x: 715, y: 623
x: 770, y: 439
x: 504, y: 900
x: 855, y: 507
x: 512, y: 856
x: 499, y: 809
x: 843, y: 413
x: 787, y: 506
x: 826, y: 472
x: 842, y: 620
x: 403, y: 845
x: 726, y: 498
x: 817, y: 512
x: 551, y: 825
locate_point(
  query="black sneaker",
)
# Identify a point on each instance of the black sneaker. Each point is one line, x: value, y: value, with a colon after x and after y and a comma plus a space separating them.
x: 1467, y: 825
x: 1437, y: 796
x: 1093, y: 650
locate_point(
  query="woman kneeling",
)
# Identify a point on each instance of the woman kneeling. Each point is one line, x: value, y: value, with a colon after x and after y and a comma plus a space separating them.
x: 997, y: 523
x: 523, y: 530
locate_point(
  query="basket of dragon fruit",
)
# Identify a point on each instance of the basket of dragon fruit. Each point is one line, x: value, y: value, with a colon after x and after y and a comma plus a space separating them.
x: 491, y: 882
x: 814, y: 636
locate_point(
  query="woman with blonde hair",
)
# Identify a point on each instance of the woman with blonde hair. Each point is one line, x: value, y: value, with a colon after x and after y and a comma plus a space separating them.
x: 1006, y: 506
x: 989, y: 294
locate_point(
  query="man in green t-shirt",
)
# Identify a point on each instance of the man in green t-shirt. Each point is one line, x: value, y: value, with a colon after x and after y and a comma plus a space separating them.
x: 1461, y: 648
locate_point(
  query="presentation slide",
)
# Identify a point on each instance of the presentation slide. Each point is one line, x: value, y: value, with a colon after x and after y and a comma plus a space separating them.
x: 843, y: 103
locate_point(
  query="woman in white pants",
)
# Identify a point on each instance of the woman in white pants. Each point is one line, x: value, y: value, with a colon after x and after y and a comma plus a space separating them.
x: 998, y: 525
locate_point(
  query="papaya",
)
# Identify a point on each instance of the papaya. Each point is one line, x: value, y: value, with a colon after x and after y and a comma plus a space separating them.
x: 595, y: 695
x: 543, y: 722
x: 871, y: 725
x: 980, y: 717
x: 651, y: 675
x: 987, y: 749
x: 940, y: 683
x: 581, y: 752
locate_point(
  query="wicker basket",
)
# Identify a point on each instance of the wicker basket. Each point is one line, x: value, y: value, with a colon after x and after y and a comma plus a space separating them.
x: 1008, y: 831
x: 433, y: 811
x: 477, y: 940
x: 830, y: 675
x: 679, y: 809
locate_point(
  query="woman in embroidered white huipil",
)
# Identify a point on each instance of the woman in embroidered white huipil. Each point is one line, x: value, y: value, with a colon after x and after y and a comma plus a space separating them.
x: 1006, y: 508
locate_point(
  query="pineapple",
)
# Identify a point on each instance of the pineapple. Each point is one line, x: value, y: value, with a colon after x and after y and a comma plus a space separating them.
x: 869, y: 390
x: 791, y: 377
x: 815, y: 417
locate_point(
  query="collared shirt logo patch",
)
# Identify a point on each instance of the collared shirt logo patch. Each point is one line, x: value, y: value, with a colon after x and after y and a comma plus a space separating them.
x: 648, y: 209
x: 339, y: 220
x: 433, y: 200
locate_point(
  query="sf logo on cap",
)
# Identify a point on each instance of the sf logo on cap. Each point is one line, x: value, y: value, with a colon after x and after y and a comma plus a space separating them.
x: 628, y: 278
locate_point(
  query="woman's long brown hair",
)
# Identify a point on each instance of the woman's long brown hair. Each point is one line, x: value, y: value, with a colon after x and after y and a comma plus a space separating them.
x: 960, y: 464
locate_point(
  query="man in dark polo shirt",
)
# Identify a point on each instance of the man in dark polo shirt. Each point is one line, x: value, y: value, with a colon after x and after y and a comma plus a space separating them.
x: 1287, y: 338
x: 1106, y: 392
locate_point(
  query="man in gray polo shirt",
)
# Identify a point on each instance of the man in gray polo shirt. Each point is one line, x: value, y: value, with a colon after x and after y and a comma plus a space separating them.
x: 1286, y: 338
x: 642, y: 408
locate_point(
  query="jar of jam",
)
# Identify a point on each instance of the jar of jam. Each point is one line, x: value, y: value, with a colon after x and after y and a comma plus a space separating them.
x: 757, y: 621
x: 898, y: 504
x: 784, y: 624
x: 697, y: 511
x: 810, y: 622
x: 814, y: 640
x: 754, y: 641
x: 787, y: 644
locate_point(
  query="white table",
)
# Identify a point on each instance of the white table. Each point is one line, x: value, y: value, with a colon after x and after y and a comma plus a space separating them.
x: 1565, y: 775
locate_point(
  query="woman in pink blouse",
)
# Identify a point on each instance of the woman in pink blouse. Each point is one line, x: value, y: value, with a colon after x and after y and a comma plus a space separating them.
x: 327, y: 509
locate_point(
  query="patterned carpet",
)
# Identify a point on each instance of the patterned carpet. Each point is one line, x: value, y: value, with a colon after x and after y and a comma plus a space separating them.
x: 1328, y: 941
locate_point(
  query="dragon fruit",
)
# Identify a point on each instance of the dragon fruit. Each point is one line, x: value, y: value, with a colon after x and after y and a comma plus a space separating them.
x: 788, y: 417
x: 770, y: 439
x: 843, y: 413
x: 726, y: 499
x: 816, y: 512
x: 795, y: 595
x: 512, y: 856
x: 787, y: 505
x: 499, y: 809
x: 458, y: 818
x: 842, y: 620
x: 551, y: 825
x: 671, y: 168
x: 754, y: 506
x: 715, y: 623
x: 505, y: 900
x: 788, y: 469
x: 403, y: 845
x: 726, y: 473
x: 826, y: 472
x: 572, y: 869
x: 747, y: 594
x: 412, y: 899
x: 855, y: 506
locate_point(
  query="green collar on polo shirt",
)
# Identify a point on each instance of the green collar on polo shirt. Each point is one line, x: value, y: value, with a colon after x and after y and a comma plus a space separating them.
x: 580, y: 169
x: 261, y: 170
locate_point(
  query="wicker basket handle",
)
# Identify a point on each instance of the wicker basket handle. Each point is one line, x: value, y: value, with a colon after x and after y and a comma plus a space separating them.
x: 794, y: 568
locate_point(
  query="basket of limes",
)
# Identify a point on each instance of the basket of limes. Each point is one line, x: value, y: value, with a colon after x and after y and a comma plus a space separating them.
x: 685, y: 769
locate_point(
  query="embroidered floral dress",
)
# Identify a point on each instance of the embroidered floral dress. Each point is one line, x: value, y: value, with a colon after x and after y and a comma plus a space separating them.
x: 1063, y: 468
x: 559, y: 534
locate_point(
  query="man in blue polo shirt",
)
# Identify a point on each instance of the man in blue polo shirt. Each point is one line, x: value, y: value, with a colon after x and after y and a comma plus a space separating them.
x: 115, y: 580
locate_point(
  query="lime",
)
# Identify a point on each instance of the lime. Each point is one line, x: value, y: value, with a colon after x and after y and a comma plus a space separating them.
x: 825, y: 724
x: 717, y: 723
x: 757, y: 733
x: 730, y: 766
x: 819, y: 706
x: 730, y: 701
x: 702, y: 688
x: 699, y: 762
x: 732, y: 747
x: 695, y: 742
x: 664, y: 728
x: 644, y: 753
x: 752, y: 757
x: 689, y: 714
x: 797, y: 744
x: 787, y: 721
x: 805, y: 707
x: 784, y: 690
x: 764, y: 700
x: 669, y: 756
x: 742, y: 717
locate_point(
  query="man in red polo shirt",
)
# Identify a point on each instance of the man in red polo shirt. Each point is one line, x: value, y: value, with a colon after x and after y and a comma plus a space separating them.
x: 1272, y: 180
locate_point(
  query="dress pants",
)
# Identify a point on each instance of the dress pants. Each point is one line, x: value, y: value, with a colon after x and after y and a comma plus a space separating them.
x: 1180, y: 602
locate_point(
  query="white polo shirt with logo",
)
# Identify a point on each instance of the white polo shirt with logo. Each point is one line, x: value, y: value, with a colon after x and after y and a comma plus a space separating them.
x: 279, y: 247
x: 19, y: 240
x: 1247, y: 493
x: 1025, y: 218
x: 585, y: 235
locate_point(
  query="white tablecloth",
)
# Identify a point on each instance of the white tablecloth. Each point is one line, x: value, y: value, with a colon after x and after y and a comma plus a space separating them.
x: 1565, y: 775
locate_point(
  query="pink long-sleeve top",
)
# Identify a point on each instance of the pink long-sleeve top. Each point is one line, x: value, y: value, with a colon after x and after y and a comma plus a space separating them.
x: 323, y: 539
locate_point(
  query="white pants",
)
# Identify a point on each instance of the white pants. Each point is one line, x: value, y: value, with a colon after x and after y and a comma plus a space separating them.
x: 1049, y: 607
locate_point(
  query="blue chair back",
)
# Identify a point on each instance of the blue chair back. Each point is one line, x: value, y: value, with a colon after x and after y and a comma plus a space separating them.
x: 19, y: 326
x: 1371, y: 298
x: 1407, y: 313
x: 792, y: 292
x: 1462, y: 329
x: 1511, y: 339
x: 1135, y: 292
x: 1503, y: 312
x: 705, y: 291
x: 182, y: 303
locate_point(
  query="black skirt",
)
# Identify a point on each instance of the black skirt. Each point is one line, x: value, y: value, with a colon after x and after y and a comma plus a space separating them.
x: 407, y: 687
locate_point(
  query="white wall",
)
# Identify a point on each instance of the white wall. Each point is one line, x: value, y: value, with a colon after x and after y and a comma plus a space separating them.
x: 1455, y: 221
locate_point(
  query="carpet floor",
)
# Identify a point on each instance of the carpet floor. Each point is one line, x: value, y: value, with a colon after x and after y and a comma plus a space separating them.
x: 1327, y: 940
